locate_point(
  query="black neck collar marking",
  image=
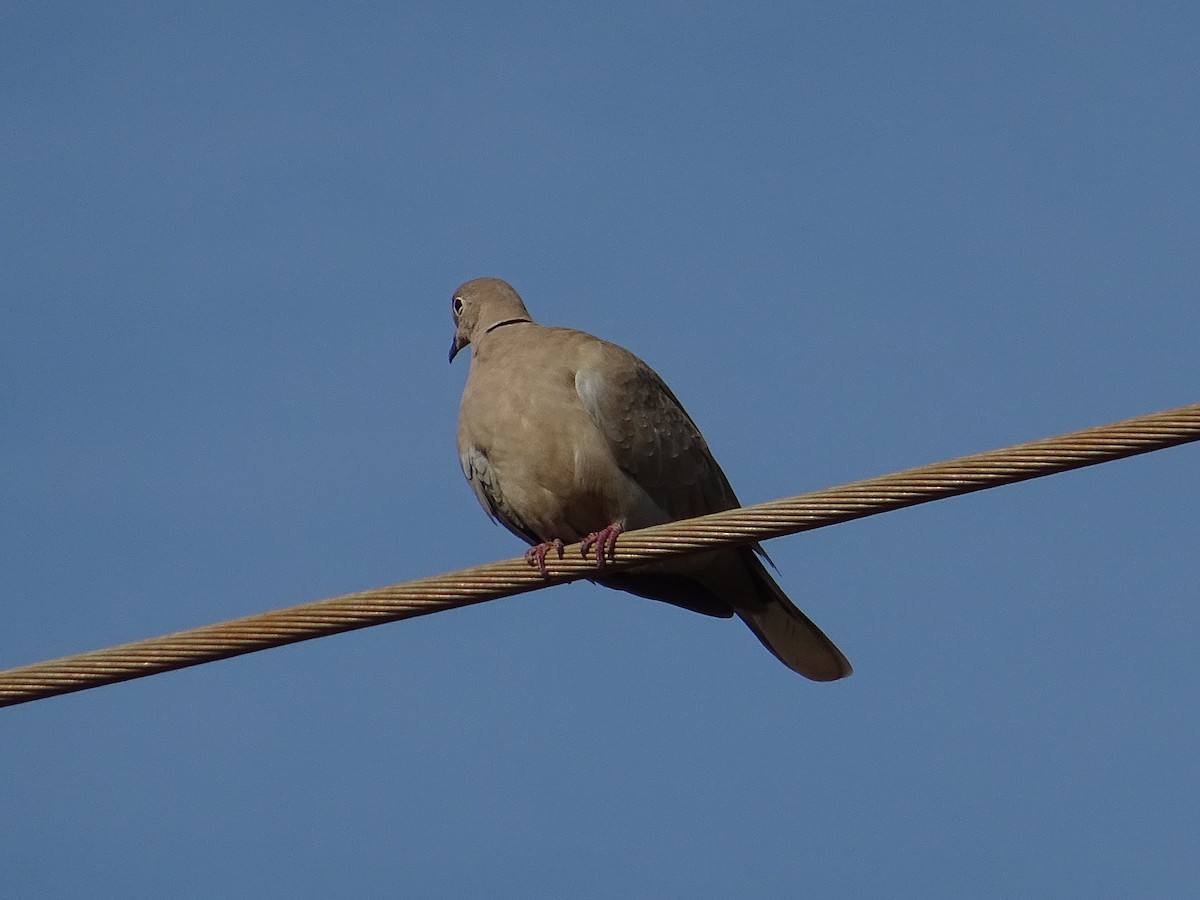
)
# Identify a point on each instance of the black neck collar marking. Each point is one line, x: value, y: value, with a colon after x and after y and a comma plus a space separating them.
x: 492, y: 328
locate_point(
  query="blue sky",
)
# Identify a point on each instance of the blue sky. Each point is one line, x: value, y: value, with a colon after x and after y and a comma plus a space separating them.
x: 853, y: 237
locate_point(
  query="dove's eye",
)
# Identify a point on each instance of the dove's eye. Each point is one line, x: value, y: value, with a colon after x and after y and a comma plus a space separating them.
x: 457, y: 306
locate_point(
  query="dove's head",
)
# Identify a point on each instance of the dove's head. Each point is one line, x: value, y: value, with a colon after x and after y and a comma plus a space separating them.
x: 481, y: 305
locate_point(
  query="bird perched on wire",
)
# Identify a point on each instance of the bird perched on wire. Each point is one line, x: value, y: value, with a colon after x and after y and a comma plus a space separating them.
x: 565, y: 437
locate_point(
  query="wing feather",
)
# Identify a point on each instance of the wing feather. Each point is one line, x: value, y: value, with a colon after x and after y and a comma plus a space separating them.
x: 650, y: 434
x: 482, y: 478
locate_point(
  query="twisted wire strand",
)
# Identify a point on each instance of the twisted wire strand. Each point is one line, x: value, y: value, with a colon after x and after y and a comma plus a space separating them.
x: 509, y: 577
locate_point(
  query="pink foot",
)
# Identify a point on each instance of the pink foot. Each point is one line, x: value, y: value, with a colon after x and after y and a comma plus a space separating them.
x: 536, y: 556
x: 605, y: 542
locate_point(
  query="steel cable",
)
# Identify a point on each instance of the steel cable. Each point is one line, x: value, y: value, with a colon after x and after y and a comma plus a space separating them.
x: 502, y: 579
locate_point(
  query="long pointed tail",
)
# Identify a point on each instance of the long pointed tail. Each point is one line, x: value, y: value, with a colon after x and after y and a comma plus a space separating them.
x: 788, y: 633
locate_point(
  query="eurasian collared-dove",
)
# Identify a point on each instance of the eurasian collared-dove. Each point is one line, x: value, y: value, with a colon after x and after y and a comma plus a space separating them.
x: 565, y: 437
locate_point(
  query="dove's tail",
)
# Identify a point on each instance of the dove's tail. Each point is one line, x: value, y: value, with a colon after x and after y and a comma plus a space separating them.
x: 729, y: 581
x: 788, y: 633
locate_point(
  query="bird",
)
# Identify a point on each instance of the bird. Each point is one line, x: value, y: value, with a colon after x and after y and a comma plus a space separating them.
x: 568, y: 438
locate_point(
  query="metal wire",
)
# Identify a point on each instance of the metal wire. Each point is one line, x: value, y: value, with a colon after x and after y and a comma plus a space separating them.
x: 510, y: 577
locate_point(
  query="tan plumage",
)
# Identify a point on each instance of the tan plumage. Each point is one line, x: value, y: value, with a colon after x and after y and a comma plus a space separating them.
x: 562, y: 435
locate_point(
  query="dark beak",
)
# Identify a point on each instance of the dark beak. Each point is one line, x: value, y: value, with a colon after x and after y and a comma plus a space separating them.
x: 455, y: 346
